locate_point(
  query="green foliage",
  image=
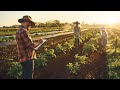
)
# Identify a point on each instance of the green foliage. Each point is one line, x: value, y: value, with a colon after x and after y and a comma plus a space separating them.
x: 7, y: 39
x: 115, y: 74
x: 94, y: 41
x: 67, y: 46
x: 41, y: 61
x: 15, y: 71
x: 89, y: 48
x: 73, y: 67
x: 59, y: 49
x: 43, y: 58
x: 7, y: 31
x: 49, y: 53
x: 12, y: 31
x: 118, y: 42
x: 113, y: 58
x: 80, y: 59
x: 114, y: 68
x: 111, y: 53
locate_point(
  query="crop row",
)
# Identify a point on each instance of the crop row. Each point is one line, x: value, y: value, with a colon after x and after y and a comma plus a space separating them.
x: 113, y: 55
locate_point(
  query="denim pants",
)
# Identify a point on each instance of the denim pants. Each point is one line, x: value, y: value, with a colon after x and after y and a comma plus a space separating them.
x: 28, y: 69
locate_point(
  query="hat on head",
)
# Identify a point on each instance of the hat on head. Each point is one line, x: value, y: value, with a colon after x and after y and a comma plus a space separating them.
x: 102, y: 28
x: 76, y: 22
x: 27, y: 18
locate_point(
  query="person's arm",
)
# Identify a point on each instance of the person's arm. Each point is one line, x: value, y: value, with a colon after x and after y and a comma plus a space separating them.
x: 100, y: 32
x: 80, y: 31
x: 41, y: 41
x: 106, y: 33
x: 73, y: 30
x: 28, y: 43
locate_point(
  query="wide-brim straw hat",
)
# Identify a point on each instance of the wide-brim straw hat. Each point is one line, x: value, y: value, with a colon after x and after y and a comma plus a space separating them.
x: 27, y: 18
x: 76, y: 22
x: 102, y: 28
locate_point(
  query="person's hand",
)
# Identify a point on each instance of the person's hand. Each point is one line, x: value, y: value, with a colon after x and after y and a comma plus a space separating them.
x: 40, y: 40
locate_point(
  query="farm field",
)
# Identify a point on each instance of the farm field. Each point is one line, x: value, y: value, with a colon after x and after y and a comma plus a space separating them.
x: 58, y: 59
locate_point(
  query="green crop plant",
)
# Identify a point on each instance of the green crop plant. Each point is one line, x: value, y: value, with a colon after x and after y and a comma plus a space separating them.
x: 41, y: 61
x: 15, y: 71
x: 49, y: 53
x: 73, y: 67
x: 80, y: 59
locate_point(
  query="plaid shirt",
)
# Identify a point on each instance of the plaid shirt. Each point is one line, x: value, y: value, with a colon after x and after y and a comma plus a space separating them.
x: 25, y: 45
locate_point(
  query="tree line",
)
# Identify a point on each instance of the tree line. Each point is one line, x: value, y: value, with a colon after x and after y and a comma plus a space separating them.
x: 51, y: 23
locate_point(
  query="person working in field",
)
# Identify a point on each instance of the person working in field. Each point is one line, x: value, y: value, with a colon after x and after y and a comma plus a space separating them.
x: 103, y: 37
x: 25, y: 47
x: 77, y: 34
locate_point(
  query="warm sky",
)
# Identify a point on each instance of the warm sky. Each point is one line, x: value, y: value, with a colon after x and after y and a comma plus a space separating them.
x: 8, y: 18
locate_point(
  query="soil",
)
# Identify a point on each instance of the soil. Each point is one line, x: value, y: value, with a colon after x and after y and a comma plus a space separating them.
x: 95, y: 68
x: 8, y: 53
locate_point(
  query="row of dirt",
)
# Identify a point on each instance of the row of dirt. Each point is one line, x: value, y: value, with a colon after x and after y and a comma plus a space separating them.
x: 8, y: 53
x: 95, y: 68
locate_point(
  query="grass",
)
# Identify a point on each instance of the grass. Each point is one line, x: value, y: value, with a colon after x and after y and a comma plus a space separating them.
x: 12, y: 31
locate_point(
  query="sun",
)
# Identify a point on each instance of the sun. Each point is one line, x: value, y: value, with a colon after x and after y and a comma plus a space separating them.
x: 110, y: 20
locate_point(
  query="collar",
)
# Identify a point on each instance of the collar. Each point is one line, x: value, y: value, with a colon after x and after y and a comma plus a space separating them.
x: 22, y: 26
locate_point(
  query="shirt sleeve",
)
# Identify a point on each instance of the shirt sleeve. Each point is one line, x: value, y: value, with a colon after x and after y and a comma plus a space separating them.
x: 73, y: 30
x: 28, y: 43
x: 100, y: 32
x: 80, y: 31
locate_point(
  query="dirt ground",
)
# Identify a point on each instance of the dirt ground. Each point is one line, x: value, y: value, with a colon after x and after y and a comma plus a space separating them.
x: 95, y: 68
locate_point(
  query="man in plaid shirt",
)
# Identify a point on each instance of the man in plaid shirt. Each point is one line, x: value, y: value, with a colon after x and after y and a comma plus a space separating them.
x: 25, y: 47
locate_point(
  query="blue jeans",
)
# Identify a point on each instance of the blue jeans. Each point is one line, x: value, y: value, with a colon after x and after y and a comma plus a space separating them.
x: 28, y: 69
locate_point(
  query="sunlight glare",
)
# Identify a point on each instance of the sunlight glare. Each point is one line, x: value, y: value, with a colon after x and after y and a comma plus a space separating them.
x: 110, y: 20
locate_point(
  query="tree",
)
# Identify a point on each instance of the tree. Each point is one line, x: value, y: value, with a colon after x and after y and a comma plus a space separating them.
x: 57, y: 22
x: 4, y: 26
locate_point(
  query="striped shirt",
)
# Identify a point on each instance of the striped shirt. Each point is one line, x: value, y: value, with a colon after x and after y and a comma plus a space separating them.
x: 25, y: 45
